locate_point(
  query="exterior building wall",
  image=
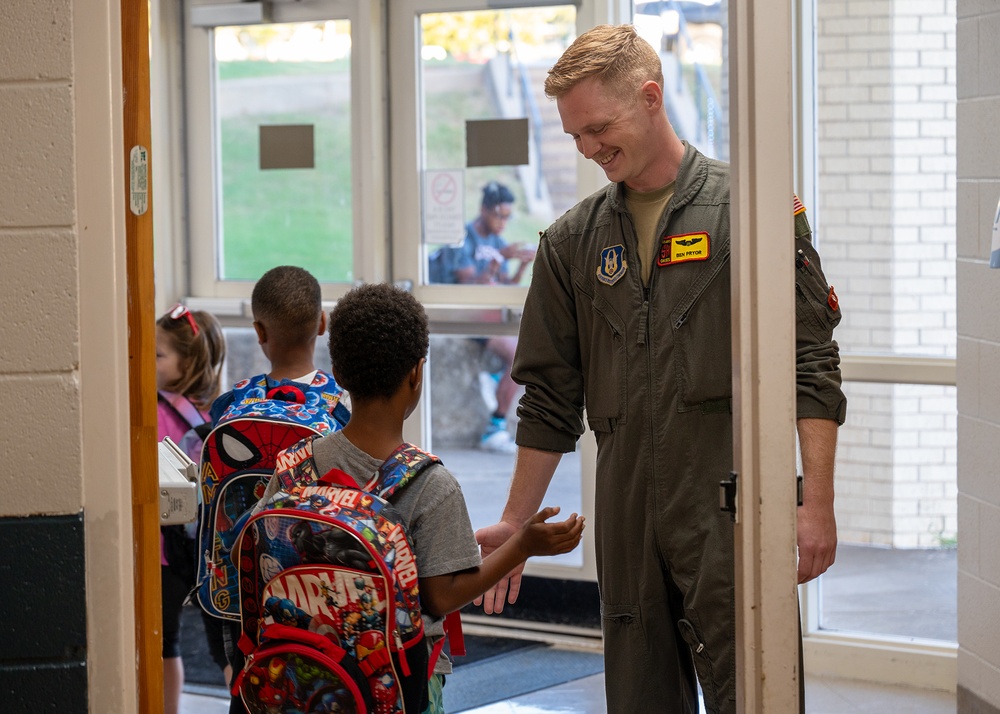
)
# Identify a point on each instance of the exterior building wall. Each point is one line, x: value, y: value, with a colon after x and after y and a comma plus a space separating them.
x: 885, y: 226
x: 978, y: 358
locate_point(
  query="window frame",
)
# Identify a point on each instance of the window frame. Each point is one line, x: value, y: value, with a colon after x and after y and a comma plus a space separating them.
x: 369, y: 196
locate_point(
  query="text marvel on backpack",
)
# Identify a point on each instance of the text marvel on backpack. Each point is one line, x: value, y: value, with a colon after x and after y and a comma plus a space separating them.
x: 329, y: 594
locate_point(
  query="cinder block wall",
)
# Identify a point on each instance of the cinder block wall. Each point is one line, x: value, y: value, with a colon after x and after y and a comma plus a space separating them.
x: 66, y: 629
x: 978, y: 358
x: 43, y: 648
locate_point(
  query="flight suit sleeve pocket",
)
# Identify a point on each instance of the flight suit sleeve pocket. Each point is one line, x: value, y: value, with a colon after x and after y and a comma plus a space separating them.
x: 817, y: 307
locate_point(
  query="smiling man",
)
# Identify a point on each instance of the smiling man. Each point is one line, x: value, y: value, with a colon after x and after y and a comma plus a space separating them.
x: 628, y: 316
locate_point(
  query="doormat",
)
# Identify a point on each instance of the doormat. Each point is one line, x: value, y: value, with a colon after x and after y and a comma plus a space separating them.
x: 508, y: 668
x: 493, y: 669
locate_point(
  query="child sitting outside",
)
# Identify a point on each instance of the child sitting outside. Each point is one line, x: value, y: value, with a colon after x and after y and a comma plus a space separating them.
x: 190, y: 349
x: 378, y: 347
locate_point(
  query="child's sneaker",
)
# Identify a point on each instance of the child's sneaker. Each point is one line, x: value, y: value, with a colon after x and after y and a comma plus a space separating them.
x: 497, y: 439
x: 488, y: 389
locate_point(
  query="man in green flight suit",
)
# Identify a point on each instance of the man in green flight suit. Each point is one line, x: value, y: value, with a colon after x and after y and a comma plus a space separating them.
x: 628, y: 315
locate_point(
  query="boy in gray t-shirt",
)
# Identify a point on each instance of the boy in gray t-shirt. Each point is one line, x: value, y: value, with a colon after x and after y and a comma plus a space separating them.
x: 378, y: 348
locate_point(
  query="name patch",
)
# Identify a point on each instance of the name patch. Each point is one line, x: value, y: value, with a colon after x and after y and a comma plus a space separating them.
x: 683, y: 248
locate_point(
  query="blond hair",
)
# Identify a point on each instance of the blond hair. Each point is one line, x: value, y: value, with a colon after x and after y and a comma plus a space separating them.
x: 614, y: 54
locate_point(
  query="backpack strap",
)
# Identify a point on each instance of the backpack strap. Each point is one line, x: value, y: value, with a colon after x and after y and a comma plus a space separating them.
x: 183, y: 407
x: 455, y: 638
x: 403, y: 465
x: 296, y: 465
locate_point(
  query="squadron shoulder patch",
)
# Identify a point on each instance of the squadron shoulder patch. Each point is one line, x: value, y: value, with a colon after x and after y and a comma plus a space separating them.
x: 683, y: 248
x: 613, y: 264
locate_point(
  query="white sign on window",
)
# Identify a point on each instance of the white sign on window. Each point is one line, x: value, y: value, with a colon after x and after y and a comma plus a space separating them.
x: 444, y: 212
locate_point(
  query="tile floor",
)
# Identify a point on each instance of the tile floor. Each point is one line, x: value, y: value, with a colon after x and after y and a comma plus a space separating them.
x: 586, y: 696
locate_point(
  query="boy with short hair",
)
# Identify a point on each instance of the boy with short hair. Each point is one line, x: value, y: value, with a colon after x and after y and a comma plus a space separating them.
x: 378, y: 347
x: 288, y: 317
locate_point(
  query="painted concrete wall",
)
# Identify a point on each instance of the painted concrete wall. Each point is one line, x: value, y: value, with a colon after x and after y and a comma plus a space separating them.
x: 978, y: 358
x: 63, y: 362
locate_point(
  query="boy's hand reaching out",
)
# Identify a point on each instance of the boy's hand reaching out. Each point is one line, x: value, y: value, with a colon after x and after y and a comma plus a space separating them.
x: 537, y: 537
x: 442, y: 594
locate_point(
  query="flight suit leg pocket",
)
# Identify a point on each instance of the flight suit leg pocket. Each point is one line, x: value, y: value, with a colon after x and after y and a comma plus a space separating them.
x: 692, y: 636
x: 623, y: 632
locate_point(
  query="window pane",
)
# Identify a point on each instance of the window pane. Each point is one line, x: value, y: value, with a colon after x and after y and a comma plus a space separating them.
x: 885, y: 224
x: 896, y: 507
x: 466, y: 375
x: 690, y: 37
x: 885, y: 227
x: 295, y: 77
x: 486, y: 119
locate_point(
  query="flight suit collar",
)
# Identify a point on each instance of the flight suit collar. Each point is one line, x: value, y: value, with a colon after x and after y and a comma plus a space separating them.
x: 691, y: 176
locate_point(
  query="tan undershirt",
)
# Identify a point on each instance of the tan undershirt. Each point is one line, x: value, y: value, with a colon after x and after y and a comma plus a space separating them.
x: 646, y: 210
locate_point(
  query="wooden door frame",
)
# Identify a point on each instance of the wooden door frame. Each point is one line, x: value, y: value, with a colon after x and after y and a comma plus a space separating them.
x: 763, y: 304
x: 136, y: 161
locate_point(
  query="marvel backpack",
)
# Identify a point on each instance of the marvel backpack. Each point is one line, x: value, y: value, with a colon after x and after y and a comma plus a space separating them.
x: 329, y: 594
x: 237, y: 460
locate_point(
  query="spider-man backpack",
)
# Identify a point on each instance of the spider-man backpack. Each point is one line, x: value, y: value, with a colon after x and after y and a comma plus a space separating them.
x: 237, y: 460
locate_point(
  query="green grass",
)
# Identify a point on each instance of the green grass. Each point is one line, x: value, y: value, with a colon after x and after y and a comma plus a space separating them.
x: 262, y: 68
x: 304, y: 216
x: 287, y: 216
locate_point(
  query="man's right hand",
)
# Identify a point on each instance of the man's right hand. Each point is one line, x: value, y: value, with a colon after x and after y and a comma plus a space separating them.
x: 490, y: 538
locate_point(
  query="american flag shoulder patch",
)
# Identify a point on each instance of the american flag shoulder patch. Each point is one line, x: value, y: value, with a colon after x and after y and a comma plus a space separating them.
x: 797, y: 206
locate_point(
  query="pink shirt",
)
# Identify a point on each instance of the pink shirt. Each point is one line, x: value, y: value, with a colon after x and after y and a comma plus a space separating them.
x: 170, y: 423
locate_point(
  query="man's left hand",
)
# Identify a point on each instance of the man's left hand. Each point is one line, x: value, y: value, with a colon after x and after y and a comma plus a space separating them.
x: 817, y: 539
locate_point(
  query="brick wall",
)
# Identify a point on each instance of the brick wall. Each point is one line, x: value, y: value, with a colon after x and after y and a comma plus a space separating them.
x: 885, y: 225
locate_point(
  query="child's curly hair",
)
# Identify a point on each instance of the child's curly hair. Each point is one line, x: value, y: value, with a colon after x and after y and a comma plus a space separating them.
x: 201, y: 356
x: 378, y: 333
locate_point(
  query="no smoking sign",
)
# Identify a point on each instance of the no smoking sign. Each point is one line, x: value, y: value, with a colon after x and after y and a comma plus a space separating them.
x: 444, y: 221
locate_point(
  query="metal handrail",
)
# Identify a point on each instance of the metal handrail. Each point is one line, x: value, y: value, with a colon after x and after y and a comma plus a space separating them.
x: 709, y: 117
x: 531, y: 109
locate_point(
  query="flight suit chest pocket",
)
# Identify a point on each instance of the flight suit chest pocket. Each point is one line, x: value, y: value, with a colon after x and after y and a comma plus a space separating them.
x: 605, y: 367
x: 701, y: 325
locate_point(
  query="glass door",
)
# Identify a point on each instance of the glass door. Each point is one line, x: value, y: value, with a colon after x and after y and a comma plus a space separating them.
x: 283, y: 107
x: 481, y: 169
